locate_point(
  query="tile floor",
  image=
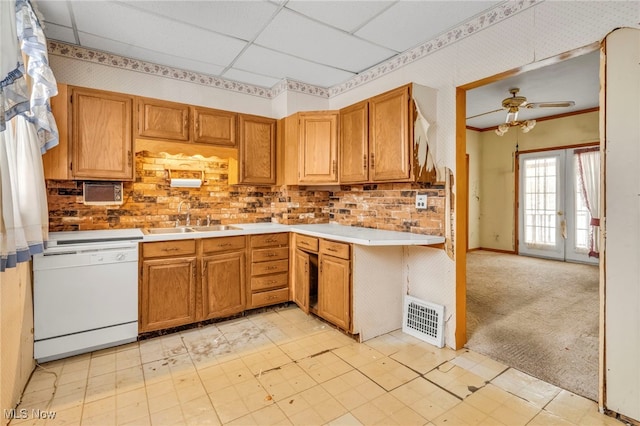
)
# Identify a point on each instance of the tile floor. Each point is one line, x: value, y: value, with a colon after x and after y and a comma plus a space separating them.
x: 284, y: 367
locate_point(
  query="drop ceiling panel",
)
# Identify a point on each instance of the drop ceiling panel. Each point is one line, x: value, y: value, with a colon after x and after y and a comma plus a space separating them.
x: 251, y: 78
x: 60, y: 33
x: 55, y: 11
x: 280, y: 65
x: 407, y: 24
x: 155, y: 33
x: 240, y: 19
x: 299, y: 36
x: 346, y: 15
x: 161, y: 58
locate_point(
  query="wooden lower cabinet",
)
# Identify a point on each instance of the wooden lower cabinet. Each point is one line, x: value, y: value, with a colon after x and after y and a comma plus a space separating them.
x: 334, y: 291
x: 269, y: 270
x: 185, y: 281
x: 223, y: 284
x: 167, y: 293
x: 322, y: 279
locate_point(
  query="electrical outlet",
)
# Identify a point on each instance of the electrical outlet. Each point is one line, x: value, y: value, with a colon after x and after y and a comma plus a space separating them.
x: 421, y: 201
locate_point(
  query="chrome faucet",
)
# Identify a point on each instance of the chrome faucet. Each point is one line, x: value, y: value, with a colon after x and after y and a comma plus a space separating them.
x: 188, y: 220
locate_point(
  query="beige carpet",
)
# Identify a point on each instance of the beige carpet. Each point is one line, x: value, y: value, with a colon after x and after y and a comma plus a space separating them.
x: 536, y: 315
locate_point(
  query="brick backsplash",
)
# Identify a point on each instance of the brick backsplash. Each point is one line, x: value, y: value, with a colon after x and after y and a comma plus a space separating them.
x: 150, y: 201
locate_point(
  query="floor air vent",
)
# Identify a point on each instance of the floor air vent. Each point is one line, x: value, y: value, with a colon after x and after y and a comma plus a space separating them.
x: 423, y: 320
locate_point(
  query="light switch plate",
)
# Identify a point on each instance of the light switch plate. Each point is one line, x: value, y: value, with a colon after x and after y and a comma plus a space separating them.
x: 421, y: 201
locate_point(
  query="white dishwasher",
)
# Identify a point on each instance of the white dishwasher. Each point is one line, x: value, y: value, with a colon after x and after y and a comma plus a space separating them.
x: 85, y: 292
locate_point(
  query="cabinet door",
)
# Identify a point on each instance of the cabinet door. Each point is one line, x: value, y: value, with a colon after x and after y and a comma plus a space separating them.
x: 257, y: 136
x: 223, y: 284
x: 354, y: 143
x: 214, y: 126
x: 101, y: 137
x: 390, y: 131
x: 334, y: 291
x: 56, y: 160
x: 301, y: 280
x: 318, y: 148
x: 167, y: 293
x: 163, y: 120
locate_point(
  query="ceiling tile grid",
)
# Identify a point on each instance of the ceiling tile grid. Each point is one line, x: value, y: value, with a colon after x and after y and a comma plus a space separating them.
x: 348, y: 16
x: 320, y: 44
x: 223, y: 38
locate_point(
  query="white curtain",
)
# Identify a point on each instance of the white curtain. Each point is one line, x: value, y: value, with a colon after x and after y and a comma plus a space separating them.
x: 589, y: 173
x: 27, y: 129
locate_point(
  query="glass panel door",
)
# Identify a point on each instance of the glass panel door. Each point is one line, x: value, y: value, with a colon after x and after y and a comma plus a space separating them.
x: 553, y: 219
x: 541, y: 209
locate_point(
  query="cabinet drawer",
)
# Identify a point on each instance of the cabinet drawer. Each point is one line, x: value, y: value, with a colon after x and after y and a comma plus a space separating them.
x: 270, y: 240
x: 309, y: 243
x: 269, y: 281
x: 261, y: 255
x: 333, y: 248
x: 222, y: 244
x: 168, y: 248
x: 262, y: 268
x: 270, y: 297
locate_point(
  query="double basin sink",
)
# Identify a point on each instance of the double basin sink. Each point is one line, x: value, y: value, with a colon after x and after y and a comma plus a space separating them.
x: 185, y: 229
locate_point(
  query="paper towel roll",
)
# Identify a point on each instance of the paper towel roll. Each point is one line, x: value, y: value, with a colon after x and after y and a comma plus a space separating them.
x: 185, y: 183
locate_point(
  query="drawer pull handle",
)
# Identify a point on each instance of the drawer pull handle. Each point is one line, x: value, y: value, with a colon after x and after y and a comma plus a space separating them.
x: 271, y: 240
x: 271, y: 254
x: 332, y: 249
x: 224, y: 245
x: 170, y: 249
x: 270, y: 268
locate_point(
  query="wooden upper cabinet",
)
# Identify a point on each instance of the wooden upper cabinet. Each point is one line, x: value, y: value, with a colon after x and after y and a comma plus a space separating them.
x: 102, y: 143
x: 214, y: 126
x: 390, y: 136
x: 56, y: 160
x: 354, y: 143
x: 318, y: 162
x: 162, y: 120
x: 257, y: 150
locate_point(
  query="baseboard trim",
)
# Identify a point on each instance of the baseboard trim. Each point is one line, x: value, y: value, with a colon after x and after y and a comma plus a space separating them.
x: 495, y: 250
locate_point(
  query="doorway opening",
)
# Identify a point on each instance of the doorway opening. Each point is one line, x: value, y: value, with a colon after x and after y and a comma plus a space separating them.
x: 462, y: 228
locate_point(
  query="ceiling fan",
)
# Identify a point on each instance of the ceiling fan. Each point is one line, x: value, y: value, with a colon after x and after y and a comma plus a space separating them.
x: 513, y: 105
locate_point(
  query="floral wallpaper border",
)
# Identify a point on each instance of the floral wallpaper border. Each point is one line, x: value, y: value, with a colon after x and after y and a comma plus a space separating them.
x: 478, y: 23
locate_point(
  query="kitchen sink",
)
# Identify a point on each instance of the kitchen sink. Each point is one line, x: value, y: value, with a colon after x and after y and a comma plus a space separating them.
x: 184, y: 229
x: 214, y: 228
x: 177, y: 230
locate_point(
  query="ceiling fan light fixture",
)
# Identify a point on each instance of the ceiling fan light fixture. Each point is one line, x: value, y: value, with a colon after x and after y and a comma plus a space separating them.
x: 528, y: 125
x: 502, y: 129
x: 512, y: 115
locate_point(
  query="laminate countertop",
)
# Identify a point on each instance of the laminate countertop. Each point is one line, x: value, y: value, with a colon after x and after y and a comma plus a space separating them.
x: 347, y: 234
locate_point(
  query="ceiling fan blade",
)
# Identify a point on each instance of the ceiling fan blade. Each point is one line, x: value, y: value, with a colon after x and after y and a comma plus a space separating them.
x: 556, y: 104
x: 485, y: 113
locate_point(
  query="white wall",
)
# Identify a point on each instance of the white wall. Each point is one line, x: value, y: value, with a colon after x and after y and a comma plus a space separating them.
x: 622, y: 213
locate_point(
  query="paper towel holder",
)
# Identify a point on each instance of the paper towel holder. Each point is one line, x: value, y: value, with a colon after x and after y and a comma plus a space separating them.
x: 185, y: 178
